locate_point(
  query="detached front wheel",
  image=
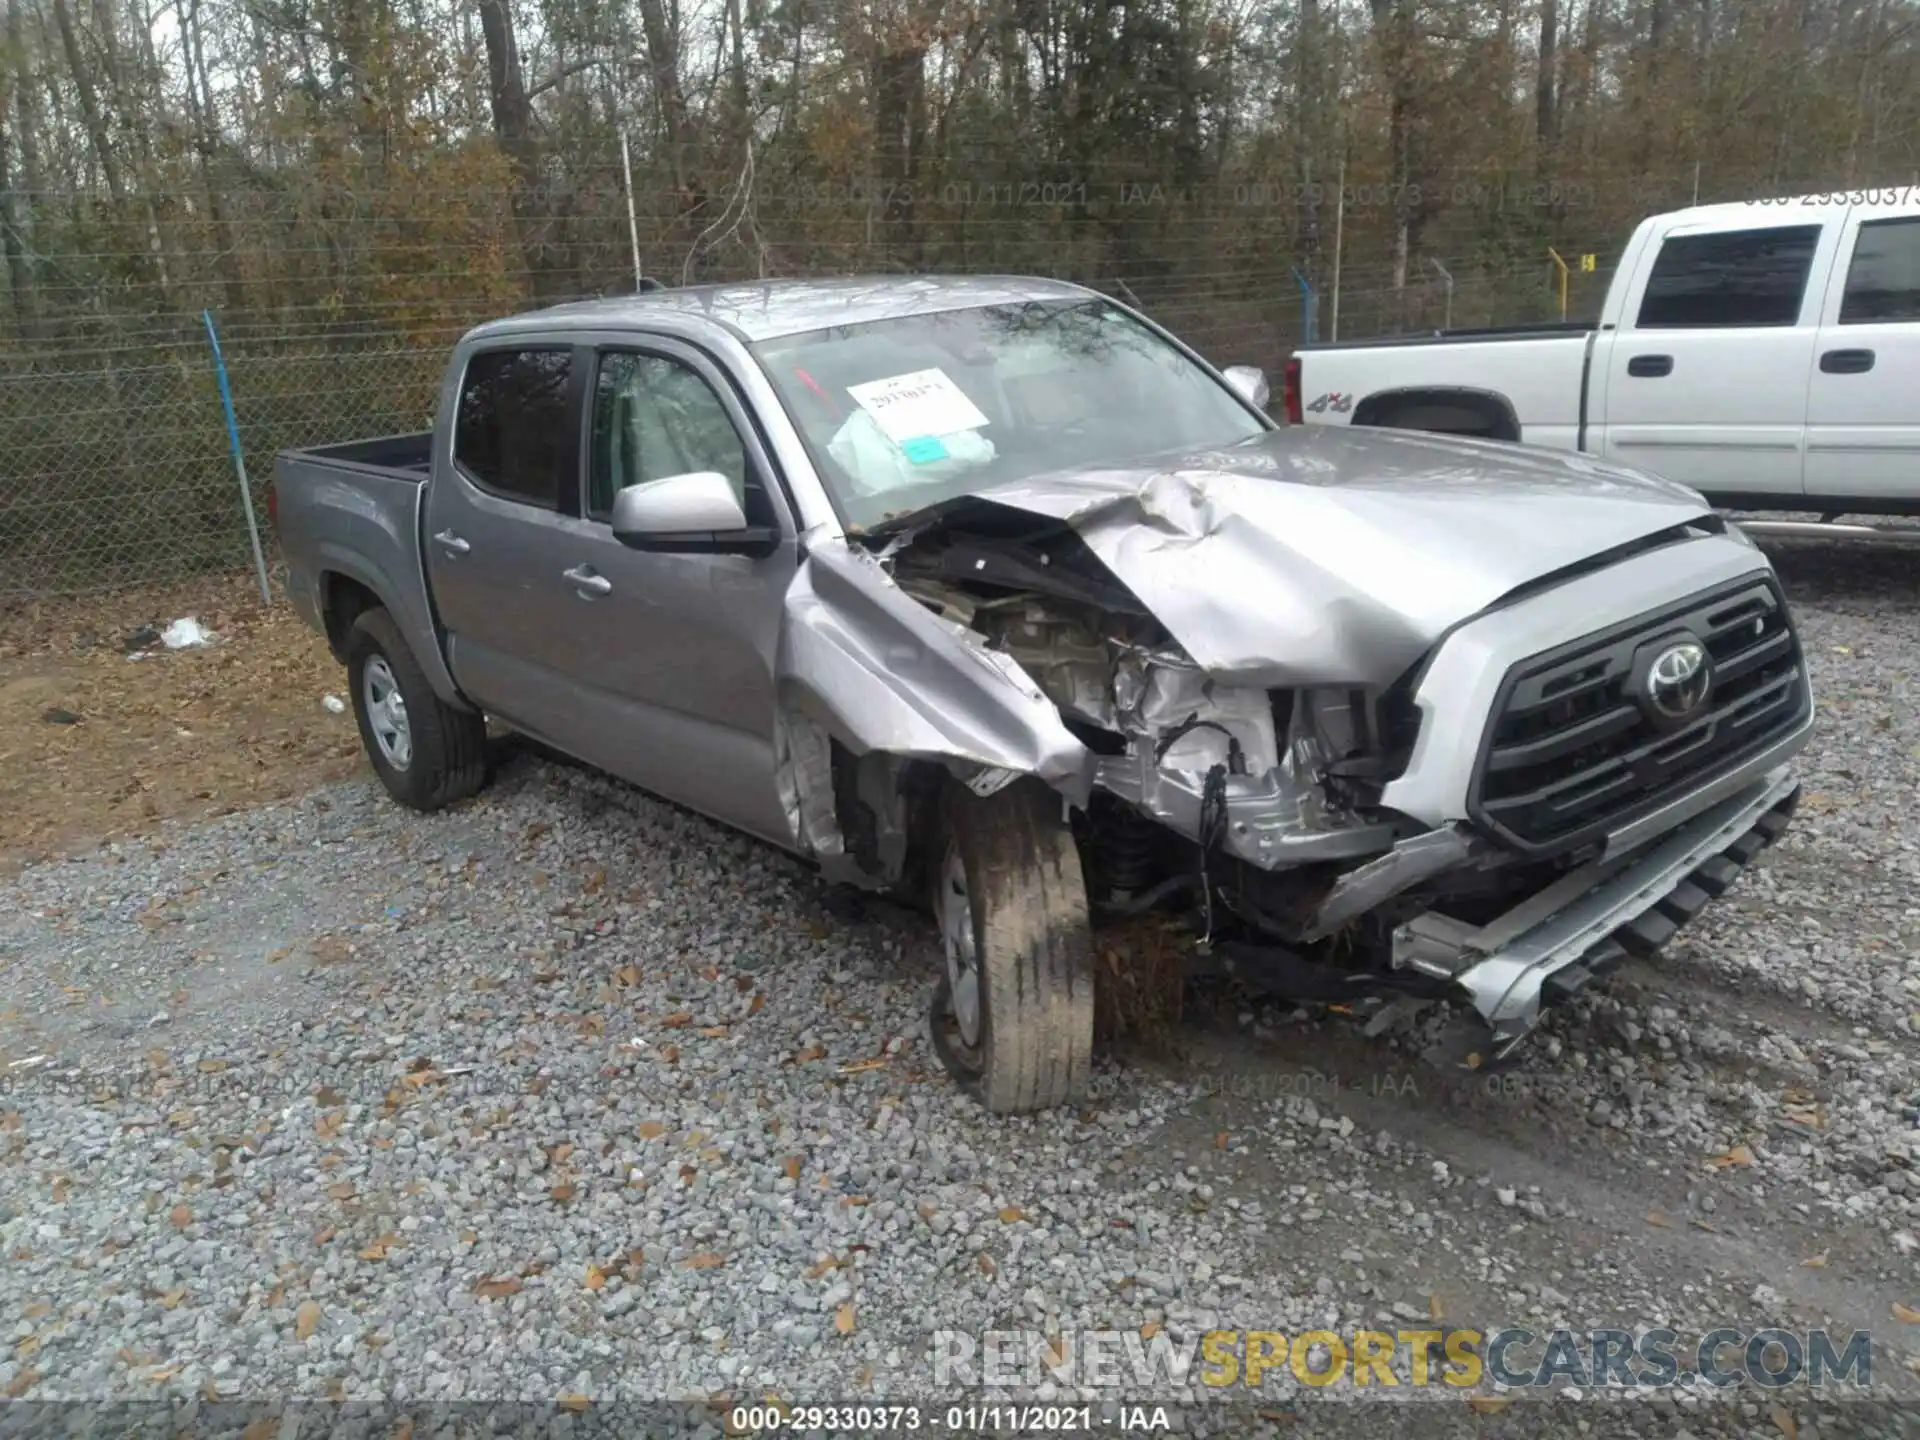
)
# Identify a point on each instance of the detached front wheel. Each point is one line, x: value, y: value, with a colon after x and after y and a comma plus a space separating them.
x: 1013, y: 1014
x: 425, y: 752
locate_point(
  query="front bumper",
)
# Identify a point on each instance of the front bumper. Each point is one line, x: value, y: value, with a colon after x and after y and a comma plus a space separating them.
x: 1551, y: 945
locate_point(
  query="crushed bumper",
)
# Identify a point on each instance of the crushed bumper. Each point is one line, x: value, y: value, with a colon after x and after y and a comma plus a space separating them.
x: 1551, y: 945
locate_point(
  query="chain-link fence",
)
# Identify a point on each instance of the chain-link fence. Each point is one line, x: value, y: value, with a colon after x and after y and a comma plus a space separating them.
x: 116, y: 468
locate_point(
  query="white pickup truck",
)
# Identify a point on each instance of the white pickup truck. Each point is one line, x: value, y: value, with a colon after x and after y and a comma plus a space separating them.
x: 1766, y: 354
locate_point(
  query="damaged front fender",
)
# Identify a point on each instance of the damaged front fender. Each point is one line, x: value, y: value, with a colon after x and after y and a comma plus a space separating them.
x: 872, y: 668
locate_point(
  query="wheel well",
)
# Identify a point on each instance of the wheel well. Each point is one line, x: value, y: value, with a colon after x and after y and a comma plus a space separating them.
x: 1444, y: 412
x: 343, y: 600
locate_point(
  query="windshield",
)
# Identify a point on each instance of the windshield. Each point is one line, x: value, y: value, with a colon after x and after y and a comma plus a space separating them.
x: 901, y: 414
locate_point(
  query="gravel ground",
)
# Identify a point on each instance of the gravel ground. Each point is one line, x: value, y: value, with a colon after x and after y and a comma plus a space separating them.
x: 569, y: 1093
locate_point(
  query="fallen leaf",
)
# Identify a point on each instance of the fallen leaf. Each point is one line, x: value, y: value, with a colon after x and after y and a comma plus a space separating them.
x: 687, y: 1174
x: 574, y: 1402
x: 715, y: 1032
x: 170, y: 1299
x: 627, y: 975
x: 857, y: 1066
x: 832, y: 1262
x: 865, y: 1378
x: 759, y: 1004
x: 810, y: 1054
x: 1815, y: 1262
x: 342, y: 1191
x: 181, y: 1217
x: 596, y: 1278
x: 987, y: 1267
x: 211, y: 1067
x: 1906, y: 1314
x: 856, y: 1200
x: 62, y: 1188
x: 495, y: 1289
x: 419, y: 1079
x: 378, y: 1249
x: 1436, y: 1307
x: 790, y: 1167
x: 1659, y: 1218
x: 1784, y: 1422
x: 652, y: 1130
x: 1487, y: 1404
x: 596, y: 882
x: 1738, y: 1155
x: 305, y: 1319
x: 705, y: 1260
x: 328, y: 1124
x: 24, y: 1382
x: 669, y: 1054
x: 1150, y: 1329
x: 679, y: 1020
x: 843, y: 1319
x: 1012, y: 1215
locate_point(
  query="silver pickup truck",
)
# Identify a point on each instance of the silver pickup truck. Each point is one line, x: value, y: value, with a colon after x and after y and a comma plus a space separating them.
x: 990, y: 593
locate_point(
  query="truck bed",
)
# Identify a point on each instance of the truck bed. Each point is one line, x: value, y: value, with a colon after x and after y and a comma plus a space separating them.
x: 351, y: 514
x: 1541, y: 330
x: 410, y: 455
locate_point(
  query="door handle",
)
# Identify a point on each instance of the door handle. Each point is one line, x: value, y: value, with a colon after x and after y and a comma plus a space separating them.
x: 584, y: 580
x: 452, y: 543
x: 1647, y: 366
x: 1846, y: 362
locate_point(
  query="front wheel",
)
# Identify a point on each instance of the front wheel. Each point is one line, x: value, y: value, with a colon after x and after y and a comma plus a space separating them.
x: 425, y: 752
x: 1013, y: 1014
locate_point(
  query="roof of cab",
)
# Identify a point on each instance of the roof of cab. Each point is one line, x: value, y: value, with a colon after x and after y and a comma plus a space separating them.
x: 1792, y: 209
x: 767, y: 309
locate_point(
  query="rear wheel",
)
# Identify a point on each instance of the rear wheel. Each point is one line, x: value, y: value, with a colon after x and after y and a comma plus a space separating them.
x: 426, y: 753
x: 1013, y: 1014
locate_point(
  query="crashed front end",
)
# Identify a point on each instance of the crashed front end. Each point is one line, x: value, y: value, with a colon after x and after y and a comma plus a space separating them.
x: 1490, y: 796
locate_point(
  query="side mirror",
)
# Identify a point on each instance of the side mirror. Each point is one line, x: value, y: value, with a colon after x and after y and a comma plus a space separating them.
x: 1251, y: 383
x: 695, y: 512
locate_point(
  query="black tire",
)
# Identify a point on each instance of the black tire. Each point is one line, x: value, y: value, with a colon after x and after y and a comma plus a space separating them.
x: 447, y: 759
x: 1032, y: 1041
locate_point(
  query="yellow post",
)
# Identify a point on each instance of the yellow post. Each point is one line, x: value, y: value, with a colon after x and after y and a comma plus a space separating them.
x: 1562, y: 265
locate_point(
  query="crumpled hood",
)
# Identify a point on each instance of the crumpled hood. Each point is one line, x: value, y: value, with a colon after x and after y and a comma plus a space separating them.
x: 1322, y: 555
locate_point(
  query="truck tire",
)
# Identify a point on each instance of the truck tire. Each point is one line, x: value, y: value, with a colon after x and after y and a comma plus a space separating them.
x: 1013, y: 1013
x: 425, y: 752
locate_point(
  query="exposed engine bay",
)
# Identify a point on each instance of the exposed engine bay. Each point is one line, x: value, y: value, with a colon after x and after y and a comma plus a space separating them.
x: 1247, y: 804
x: 1259, y: 810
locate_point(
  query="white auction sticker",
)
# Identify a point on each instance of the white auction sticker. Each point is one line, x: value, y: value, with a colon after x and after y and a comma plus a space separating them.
x: 923, y: 405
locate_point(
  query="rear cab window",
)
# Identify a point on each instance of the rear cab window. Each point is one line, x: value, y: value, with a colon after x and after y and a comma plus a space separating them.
x: 514, y: 431
x: 1883, y: 277
x: 1730, y: 279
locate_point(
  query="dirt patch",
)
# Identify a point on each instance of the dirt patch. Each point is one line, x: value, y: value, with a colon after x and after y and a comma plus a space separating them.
x: 95, y: 744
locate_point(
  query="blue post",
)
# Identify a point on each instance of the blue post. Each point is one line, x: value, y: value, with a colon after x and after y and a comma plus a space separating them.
x: 1309, y: 310
x: 239, y: 460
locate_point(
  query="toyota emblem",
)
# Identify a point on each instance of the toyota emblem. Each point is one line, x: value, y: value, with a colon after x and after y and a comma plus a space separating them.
x: 1678, y: 680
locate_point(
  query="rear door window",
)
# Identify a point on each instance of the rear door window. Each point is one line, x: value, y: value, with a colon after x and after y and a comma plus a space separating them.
x: 1883, y: 282
x: 514, y: 431
x: 1730, y: 279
